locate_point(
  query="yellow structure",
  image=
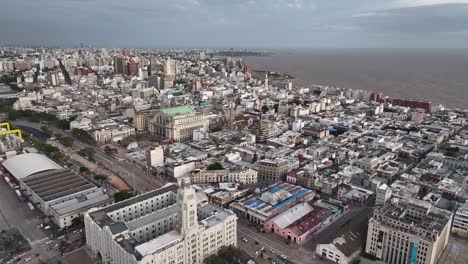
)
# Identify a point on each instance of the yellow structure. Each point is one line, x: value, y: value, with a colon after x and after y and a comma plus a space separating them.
x: 5, y: 124
x: 8, y: 131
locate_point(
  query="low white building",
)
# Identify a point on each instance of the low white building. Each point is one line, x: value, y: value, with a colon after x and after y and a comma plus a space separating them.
x: 167, y: 225
x: 383, y: 194
x: 113, y: 133
x: 343, y: 250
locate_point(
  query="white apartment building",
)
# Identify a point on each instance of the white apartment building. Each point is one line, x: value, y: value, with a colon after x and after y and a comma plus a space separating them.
x: 81, y: 123
x: 383, y: 194
x: 177, y: 123
x: 247, y: 176
x: 167, y: 225
x: 460, y: 221
x: 113, y: 133
x: 411, y: 232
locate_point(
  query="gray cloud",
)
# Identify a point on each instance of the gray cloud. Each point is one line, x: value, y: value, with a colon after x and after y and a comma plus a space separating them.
x: 236, y: 23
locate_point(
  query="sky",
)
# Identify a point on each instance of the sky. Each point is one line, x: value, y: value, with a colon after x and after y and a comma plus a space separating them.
x: 261, y: 24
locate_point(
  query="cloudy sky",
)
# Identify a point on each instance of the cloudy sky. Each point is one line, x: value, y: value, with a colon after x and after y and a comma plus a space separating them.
x: 236, y: 23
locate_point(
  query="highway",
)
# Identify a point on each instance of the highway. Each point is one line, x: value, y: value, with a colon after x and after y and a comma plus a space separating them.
x: 142, y: 182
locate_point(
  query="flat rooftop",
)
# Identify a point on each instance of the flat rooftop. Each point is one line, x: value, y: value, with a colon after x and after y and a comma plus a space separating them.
x: 55, y: 184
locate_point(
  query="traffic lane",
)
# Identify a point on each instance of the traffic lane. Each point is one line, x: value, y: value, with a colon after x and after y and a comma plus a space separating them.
x: 18, y: 215
x: 275, y: 245
x: 353, y: 220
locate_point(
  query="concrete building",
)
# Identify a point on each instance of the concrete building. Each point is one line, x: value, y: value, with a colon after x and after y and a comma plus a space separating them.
x: 59, y: 193
x: 383, y: 194
x: 113, y: 133
x: 460, y: 221
x: 167, y: 225
x: 177, y: 123
x: 261, y: 207
x: 343, y: 250
x: 265, y: 129
x: 140, y: 122
x: 410, y: 232
x: 247, y: 176
x: 272, y: 171
x: 155, y: 157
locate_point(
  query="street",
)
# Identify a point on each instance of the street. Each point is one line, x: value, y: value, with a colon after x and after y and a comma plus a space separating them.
x: 299, y: 254
x: 130, y: 173
x: 14, y: 214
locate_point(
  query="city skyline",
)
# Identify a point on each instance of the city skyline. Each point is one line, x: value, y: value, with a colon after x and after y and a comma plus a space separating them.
x: 237, y: 24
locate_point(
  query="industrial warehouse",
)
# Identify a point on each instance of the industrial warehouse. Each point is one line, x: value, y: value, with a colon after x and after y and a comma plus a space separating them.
x: 58, y: 192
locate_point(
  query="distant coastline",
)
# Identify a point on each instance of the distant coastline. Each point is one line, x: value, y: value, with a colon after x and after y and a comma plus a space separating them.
x: 438, y: 76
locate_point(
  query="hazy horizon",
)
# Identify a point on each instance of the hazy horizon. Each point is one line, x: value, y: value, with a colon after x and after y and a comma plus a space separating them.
x: 260, y: 24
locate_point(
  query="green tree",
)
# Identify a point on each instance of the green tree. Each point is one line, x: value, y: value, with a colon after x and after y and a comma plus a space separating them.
x: 47, y: 131
x: 67, y: 141
x: 110, y: 151
x: 83, y: 135
x: 215, y: 166
x: 122, y: 195
x: 102, y: 179
x: 84, y: 169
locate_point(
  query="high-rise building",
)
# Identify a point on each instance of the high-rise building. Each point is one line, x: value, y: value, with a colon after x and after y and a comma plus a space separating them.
x: 132, y: 67
x: 126, y: 52
x: 168, y: 225
x: 120, y: 64
x: 177, y: 123
x: 410, y: 232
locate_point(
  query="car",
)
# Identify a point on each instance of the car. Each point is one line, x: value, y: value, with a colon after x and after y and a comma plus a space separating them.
x: 283, y: 257
x: 245, y: 240
x: 27, y: 260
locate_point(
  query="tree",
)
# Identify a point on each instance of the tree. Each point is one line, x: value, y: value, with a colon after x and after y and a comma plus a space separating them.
x: 264, y: 109
x: 110, y: 151
x: 216, y: 129
x: 122, y: 195
x: 67, y: 141
x: 77, y: 221
x: 82, y: 135
x: 102, y: 179
x: 47, y: 131
x: 87, y: 152
x: 215, y: 166
x: 58, y: 135
x: 84, y: 169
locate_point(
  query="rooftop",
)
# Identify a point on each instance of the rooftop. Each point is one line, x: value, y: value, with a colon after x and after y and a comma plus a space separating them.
x: 51, y: 185
x: 35, y: 163
x: 178, y: 110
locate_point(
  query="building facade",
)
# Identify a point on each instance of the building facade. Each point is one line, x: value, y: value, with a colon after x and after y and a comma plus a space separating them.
x: 460, y: 221
x: 247, y: 176
x: 167, y: 225
x: 413, y: 232
x: 113, y: 134
x: 271, y: 171
x: 177, y: 123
